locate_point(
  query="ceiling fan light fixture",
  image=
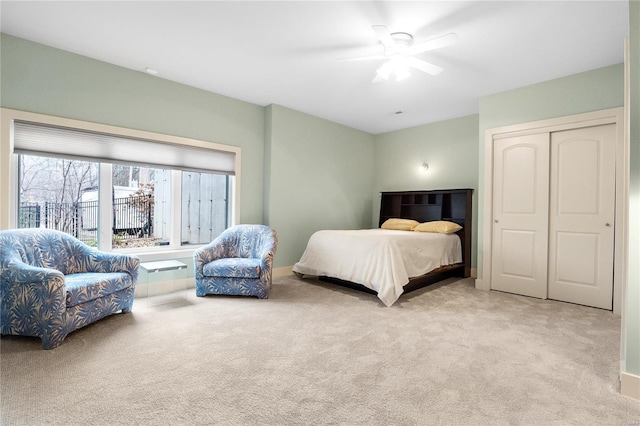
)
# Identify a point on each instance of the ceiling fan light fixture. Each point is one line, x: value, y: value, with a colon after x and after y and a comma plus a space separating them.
x: 402, y: 74
x: 400, y: 67
x: 385, y: 70
x: 396, y: 65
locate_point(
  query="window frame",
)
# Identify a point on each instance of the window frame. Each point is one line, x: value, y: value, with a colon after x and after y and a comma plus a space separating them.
x: 9, y: 191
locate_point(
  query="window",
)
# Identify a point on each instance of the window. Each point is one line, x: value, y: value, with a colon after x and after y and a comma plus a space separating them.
x: 140, y: 198
x: 101, y: 188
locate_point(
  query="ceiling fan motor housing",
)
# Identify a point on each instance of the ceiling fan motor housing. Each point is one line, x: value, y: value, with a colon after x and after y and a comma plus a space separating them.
x: 402, y: 42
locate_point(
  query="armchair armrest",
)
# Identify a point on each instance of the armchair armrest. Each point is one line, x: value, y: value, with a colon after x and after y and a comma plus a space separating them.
x: 266, y: 264
x: 212, y: 251
x: 34, y: 284
x: 266, y: 256
x: 21, y: 273
x: 219, y: 248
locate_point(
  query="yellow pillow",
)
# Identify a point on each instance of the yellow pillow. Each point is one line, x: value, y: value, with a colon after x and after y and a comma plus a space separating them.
x: 439, y: 226
x: 400, y: 224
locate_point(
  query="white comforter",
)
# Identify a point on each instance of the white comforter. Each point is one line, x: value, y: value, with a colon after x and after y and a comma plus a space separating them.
x: 380, y: 259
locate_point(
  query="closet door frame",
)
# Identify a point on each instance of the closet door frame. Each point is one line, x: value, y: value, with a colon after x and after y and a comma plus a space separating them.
x: 596, y: 118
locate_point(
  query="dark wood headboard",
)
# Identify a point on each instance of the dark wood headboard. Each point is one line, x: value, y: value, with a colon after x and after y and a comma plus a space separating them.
x: 453, y: 205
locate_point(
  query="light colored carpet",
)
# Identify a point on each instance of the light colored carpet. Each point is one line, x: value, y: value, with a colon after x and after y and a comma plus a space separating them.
x: 318, y: 354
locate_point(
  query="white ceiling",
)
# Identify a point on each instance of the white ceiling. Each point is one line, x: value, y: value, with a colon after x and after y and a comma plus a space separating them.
x: 285, y: 52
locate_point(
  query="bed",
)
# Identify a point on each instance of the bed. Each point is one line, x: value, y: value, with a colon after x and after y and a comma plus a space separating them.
x: 390, y: 263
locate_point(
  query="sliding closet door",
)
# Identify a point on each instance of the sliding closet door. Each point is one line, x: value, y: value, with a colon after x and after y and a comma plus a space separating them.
x: 581, y: 216
x: 520, y: 215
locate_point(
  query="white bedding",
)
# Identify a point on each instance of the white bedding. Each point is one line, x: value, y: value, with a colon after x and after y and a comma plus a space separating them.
x: 380, y: 259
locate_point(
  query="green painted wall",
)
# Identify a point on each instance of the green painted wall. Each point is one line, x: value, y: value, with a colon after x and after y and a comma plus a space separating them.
x: 321, y: 174
x: 589, y: 91
x: 449, y: 147
x: 45, y: 80
x: 631, y: 348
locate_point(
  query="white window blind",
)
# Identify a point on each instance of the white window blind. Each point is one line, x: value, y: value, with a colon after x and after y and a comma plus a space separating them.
x: 38, y: 139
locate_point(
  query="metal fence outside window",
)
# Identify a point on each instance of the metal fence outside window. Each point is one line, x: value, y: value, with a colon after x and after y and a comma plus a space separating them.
x: 132, y: 218
x: 29, y: 215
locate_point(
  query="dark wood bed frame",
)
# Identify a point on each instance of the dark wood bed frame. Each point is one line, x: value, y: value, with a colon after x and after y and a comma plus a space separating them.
x: 453, y: 205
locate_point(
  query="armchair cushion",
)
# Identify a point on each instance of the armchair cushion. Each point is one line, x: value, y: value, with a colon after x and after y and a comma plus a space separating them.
x: 235, y: 267
x: 84, y: 287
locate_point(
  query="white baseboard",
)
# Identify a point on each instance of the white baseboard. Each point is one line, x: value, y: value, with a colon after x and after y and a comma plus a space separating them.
x: 630, y: 385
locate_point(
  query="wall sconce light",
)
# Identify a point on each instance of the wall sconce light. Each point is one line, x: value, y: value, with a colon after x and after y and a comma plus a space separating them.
x: 424, y: 167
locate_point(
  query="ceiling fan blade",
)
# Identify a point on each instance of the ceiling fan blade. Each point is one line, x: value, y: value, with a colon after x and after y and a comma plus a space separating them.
x: 423, y: 66
x: 436, y: 43
x: 384, y: 35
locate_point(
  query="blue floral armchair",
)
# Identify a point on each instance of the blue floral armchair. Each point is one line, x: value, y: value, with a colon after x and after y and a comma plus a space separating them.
x: 52, y: 284
x: 238, y: 262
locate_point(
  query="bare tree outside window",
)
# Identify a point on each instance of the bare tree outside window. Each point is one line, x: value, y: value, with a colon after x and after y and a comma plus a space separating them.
x: 50, y: 193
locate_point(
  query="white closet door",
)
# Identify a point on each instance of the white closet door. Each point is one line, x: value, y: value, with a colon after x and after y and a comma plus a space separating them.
x: 581, y: 223
x: 520, y: 215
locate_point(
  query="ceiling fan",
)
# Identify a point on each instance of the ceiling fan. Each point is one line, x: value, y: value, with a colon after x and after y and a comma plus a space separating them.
x: 399, y: 51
